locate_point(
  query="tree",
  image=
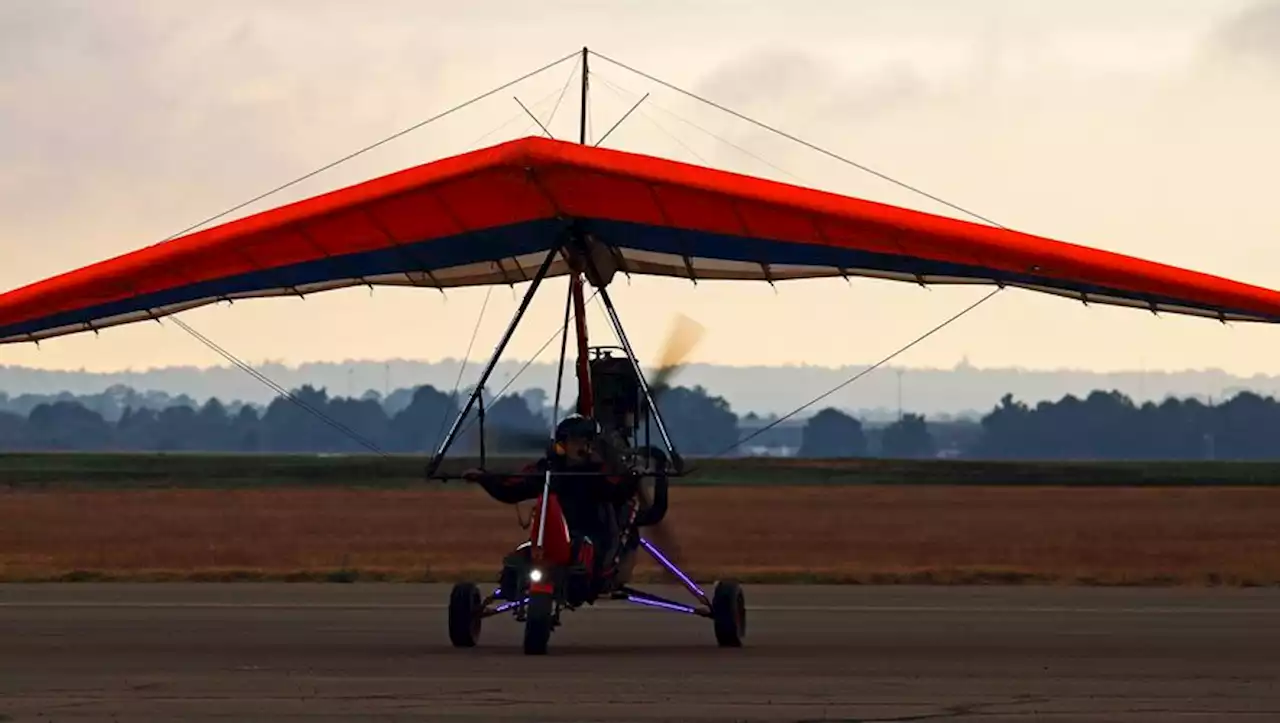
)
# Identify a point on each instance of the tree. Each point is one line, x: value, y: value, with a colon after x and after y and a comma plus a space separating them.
x: 68, y: 426
x: 907, y: 438
x: 1247, y: 426
x: 363, y: 425
x: 245, y: 430
x: 13, y: 431
x: 1005, y: 431
x: 510, y: 426
x: 289, y: 427
x: 136, y: 429
x: 397, y: 401
x: 697, y: 422
x: 420, y: 426
x: 1108, y: 425
x: 213, y: 428
x: 831, y: 433
x: 537, y: 400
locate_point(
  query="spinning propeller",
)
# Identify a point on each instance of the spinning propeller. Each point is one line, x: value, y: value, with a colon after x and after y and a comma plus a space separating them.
x: 684, y: 336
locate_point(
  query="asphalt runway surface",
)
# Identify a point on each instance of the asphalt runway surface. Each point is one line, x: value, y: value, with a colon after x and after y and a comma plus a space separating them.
x: 266, y: 652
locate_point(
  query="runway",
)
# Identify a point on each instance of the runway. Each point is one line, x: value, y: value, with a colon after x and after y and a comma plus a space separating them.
x: 262, y: 652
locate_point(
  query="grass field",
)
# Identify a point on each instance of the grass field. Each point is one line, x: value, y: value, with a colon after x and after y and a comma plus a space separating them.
x: 23, y: 471
x: 848, y: 533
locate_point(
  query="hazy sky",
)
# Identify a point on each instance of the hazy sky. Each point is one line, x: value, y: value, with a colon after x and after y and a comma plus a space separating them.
x: 1141, y: 126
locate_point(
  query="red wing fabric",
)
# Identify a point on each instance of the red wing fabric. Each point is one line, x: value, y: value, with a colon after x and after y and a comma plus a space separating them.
x: 492, y: 216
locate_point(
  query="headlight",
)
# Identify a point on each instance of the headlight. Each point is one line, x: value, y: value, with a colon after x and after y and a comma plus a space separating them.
x: 535, y: 575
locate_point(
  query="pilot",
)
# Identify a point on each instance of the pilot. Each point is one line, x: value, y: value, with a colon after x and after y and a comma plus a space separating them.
x: 589, y: 497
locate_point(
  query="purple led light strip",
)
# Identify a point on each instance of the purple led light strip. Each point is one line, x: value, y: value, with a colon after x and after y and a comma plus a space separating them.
x: 508, y: 605
x: 670, y: 566
x: 661, y: 604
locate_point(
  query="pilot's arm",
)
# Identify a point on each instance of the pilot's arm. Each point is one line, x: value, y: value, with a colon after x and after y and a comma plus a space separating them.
x: 508, y: 488
x: 619, y: 488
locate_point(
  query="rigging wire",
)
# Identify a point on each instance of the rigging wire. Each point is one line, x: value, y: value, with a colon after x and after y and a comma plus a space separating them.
x: 618, y: 92
x: 619, y: 122
x: 444, y: 420
x: 618, y: 88
x: 290, y: 396
x: 513, y: 119
x: 530, y: 361
x: 863, y: 373
x: 534, y: 117
x: 790, y: 137
x: 564, y: 89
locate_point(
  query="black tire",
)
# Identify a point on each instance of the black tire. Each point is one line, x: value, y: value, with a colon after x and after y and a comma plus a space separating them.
x: 509, y: 584
x: 465, y: 606
x: 729, y: 613
x: 538, y: 623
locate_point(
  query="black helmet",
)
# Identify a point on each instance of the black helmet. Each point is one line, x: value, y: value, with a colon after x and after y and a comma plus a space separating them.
x: 577, y: 426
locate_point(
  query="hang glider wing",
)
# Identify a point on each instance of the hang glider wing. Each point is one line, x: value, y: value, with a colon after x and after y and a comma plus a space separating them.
x: 491, y: 216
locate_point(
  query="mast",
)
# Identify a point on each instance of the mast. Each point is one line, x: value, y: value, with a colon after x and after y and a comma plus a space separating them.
x: 586, y: 399
x: 582, y: 118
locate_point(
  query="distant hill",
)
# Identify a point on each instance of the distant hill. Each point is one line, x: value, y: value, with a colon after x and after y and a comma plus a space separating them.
x: 938, y: 393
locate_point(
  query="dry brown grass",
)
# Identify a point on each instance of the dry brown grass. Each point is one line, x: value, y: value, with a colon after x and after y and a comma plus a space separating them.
x: 853, y: 534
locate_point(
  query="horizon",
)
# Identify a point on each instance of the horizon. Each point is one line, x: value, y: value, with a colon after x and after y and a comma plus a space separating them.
x: 958, y: 365
x: 955, y: 392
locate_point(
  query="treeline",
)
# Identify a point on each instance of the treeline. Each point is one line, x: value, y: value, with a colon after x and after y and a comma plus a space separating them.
x: 407, y: 421
x: 1102, y: 425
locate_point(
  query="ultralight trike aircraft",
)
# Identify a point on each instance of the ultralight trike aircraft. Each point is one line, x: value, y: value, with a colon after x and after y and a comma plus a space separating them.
x: 532, y: 209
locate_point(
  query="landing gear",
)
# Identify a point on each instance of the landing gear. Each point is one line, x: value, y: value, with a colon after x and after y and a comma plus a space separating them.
x: 540, y: 620
x: 729, y: 613
x: 466, y: 611
x: 539, y: 612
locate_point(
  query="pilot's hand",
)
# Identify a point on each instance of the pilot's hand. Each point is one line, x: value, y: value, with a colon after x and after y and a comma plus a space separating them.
x: 659, y: 457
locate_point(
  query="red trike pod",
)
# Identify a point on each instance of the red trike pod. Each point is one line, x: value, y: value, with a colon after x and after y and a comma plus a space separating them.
x: 551, y: 548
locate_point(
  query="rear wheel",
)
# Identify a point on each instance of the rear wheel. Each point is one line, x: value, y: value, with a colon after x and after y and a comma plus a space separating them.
x: 465, y: 606
x: 539, y: 620
x: 729, y: 613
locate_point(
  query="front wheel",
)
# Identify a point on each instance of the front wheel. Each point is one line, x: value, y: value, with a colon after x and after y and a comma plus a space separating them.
x: 538, y: 623
x: 465, y: 607
x: 729, y: 613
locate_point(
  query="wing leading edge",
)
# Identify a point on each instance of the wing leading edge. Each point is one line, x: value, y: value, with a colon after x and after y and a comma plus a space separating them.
x: 490, y: 216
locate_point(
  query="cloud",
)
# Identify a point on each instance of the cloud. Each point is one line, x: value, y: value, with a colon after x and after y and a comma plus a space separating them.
x: 1251, y: 37
x: 780, y: 79
x: 108, y: 108
x: 100, y: 85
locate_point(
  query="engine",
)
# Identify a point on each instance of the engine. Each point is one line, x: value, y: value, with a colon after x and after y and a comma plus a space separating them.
x: 619, y: 400
x: 628, y: 440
